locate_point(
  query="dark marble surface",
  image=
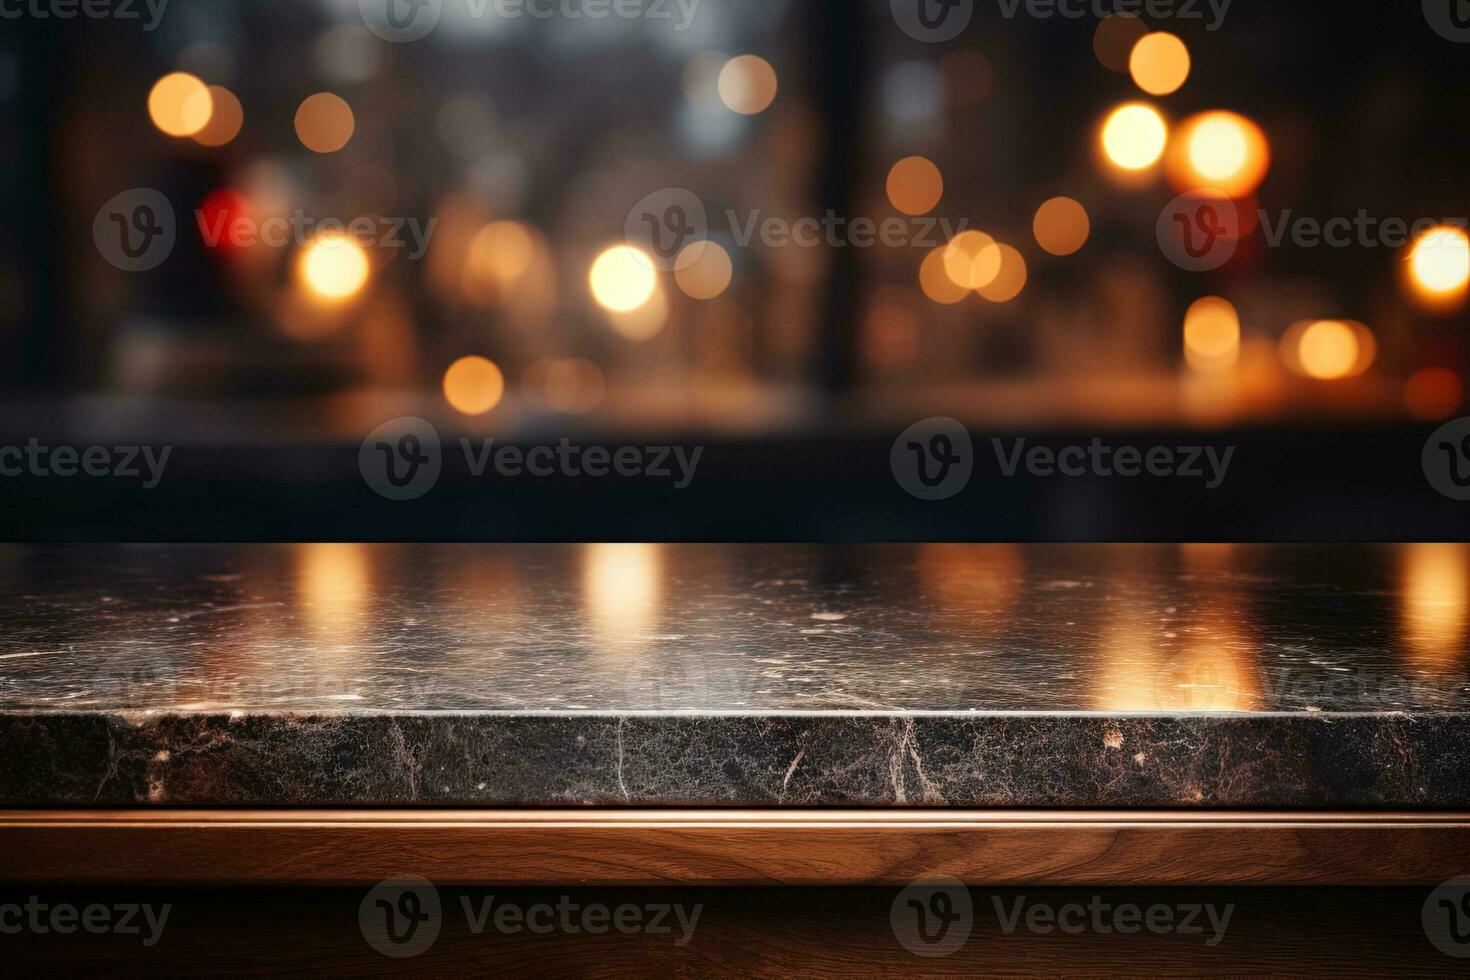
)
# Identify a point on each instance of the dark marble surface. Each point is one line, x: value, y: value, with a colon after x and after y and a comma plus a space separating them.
x: 740, y: 675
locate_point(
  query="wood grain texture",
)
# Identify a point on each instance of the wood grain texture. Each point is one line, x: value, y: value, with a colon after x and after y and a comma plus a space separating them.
x: 730, y: 848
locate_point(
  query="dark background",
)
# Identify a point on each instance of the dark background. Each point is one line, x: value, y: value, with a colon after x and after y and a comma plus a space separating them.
x: 1382, y: 98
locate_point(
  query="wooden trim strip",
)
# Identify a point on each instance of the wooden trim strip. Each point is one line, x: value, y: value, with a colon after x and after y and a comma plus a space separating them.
x: 597, y: 847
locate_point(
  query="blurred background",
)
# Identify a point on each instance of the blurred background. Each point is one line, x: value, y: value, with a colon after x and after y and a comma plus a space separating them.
x: 507, y: 152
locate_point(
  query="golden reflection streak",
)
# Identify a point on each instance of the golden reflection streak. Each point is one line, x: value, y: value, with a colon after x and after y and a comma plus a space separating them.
x: 1131, y: 662
x: 1213, y: 669
x: 958, y: 574
x: 623, y: 591
x: 334, y: 585
x: 1434, y: 589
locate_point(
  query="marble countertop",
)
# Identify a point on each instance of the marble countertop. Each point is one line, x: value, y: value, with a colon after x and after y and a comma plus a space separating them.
x: 736, y: 675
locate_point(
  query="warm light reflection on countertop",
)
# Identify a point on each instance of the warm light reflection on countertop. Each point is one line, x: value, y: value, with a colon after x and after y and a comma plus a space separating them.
x: 636, y: 627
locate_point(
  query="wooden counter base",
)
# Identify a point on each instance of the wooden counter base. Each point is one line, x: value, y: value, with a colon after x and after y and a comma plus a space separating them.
x: 731, y: 848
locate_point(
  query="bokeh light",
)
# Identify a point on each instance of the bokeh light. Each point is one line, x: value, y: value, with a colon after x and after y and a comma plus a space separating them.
x: 1115, y: 39
x: 1212, y: 335
x: 499, y: 255
x: 574, y: 385
x: 225, y: 121
x: 1061, y: 226
x: 334, y: 267
x: 748, y: 85
x: 972, y: 260
x: 915, y: 186
x: 892, y: 328
x: 1328, y: 350
x: 1439, y: 264
x: 703, y: 270
x: 623, y: 278
x: 935, y: 281
x: 180, y: 105
x: 474, y: 385
x: 645, y: 322
x: 1134, y: 136
x: 1010, y: 281
x: 1159, y: 64
x: 1434, y: 394
x: 1221, y: 151
x: 325, y: 123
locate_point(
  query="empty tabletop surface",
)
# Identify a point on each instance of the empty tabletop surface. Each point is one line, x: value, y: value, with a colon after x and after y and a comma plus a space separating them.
x: 741, y: 674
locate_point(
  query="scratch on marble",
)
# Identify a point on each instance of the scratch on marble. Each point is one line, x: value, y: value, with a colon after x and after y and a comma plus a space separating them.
x: 791, y: 771
x: 906, y: 746
x: 621, y: 785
